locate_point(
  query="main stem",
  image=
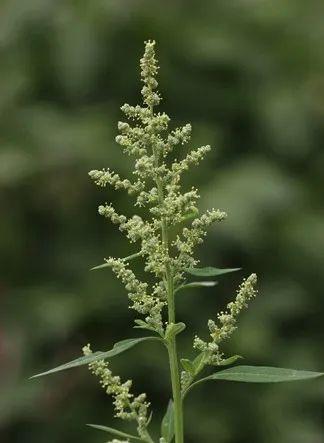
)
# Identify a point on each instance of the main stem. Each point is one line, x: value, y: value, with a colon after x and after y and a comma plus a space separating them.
x: 172, y: 350
x: 172, y: 344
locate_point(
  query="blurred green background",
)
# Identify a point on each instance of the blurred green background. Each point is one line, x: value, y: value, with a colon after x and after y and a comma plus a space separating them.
x: 248, y: 74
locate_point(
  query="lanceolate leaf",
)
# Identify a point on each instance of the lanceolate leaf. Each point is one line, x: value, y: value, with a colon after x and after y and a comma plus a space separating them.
x: 125, y: 259
x: 115, y: 432
x: 210, y: 271
x: 141, y: 324
x: 190, y: 215
x: 198, y: 362
x: 188, y: 366
x: 117, y: 349
x: 197, y: 284
x: 261, y: 374
x: 194, y: 366
x: 104, y: 265
x: 174, y: 329
x: 230, y: 360
x: 167, y: 425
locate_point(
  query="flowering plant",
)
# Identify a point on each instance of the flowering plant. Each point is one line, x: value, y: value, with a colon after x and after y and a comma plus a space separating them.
x: 167, y: 239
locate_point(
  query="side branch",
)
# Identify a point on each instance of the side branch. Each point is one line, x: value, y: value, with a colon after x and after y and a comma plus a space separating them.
x: 105, y: 176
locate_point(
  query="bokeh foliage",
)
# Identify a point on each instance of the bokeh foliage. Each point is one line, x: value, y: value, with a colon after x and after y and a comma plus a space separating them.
x: 248, y: 74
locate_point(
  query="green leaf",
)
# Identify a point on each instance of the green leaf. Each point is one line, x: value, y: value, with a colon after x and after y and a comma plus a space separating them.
x: 149, y: 419
x: 198, y: 362
x: 197, y: 284
x: 188, y: 366
x: 190, y: 215
x: 167, y: 425
x: 141, y: 324
x: 85, y: 360
x: 125, y: 259
x: 114, y: 432
x: 194, y: 366
x: 210, y: 271
x: 104, y: 265
x: 261, y: 374
x: 230, y: 360
x: 174, y: 329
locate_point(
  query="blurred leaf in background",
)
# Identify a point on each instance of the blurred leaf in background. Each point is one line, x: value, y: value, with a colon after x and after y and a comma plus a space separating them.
x: 248, y: 74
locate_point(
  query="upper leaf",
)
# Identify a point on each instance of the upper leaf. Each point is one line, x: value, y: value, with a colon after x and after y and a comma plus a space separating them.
x: 104, y: 265
x: 190, y: 215
x: 167, y: 425
x: 230, y: 360
x: 85, y: 360
x: 174, y: 329
x: 188, y: 366
x: 141, y: 324
x: 115, y: 432
x: 261, y: 374
x: 197, y: 284
x: 125, y: 259
x: 209, y: 271
x: 199, y: 362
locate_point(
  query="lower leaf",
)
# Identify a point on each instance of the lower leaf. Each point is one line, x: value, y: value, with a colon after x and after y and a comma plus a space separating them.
x: 85, y: 360
x: 167, y: 425
x: 261, y: 374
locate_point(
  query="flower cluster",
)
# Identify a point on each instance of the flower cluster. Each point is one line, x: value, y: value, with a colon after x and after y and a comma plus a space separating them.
x: 142, y: 301
x: 105, y: 176
x: 210, y: 352
x: 193, y: 236
x: 226, y: 322
x: 158, y: 187
x: 127, y: 407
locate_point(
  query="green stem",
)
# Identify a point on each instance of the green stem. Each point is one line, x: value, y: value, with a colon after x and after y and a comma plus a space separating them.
x: 172, y: 350
x: 172, y: 344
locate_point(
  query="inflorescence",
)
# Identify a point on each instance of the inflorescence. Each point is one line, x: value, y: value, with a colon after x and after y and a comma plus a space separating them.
x: 157, y: 187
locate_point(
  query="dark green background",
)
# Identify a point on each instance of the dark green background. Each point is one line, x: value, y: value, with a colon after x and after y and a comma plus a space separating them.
x: 248, y: 74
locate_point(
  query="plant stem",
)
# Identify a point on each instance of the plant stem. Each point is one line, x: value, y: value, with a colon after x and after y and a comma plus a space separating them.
x: 177, y: 400
x: 172, y: 345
